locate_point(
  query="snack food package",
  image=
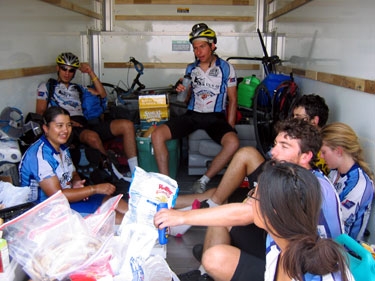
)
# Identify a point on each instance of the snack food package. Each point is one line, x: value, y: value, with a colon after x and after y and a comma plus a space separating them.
x: 146, y: 191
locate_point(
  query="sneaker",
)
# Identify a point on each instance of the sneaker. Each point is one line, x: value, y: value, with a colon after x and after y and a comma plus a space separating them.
x: 199, y: 187
x: 192, y: 275
x: 198, y: 252
x: 203, y: 204
x: 112, y: 159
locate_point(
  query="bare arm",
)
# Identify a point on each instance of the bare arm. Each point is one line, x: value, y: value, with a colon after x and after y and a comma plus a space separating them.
x: 98, y: 89
x: 232, y: 107
x: 51, y: 185
x: 41, y: 106
x: 225, y: 215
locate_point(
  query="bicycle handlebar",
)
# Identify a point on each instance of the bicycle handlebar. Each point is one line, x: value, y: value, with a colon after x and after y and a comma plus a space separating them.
x: 137, y: 65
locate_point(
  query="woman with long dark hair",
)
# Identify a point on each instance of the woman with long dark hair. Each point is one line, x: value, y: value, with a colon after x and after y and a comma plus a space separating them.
x: 286, y: 203
x: 47, y: 168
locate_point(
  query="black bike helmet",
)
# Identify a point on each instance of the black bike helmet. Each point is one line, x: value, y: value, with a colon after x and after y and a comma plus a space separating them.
x: 69, y: 59
x: 201, y: 30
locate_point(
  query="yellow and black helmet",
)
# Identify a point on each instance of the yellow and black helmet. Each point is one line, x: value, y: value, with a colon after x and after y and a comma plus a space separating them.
x: 68, y: 59
x: 201, y: 30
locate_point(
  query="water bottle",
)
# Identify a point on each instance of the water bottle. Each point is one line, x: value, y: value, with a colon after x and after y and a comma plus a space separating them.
x: 163, y: 233
x: 186, y: 82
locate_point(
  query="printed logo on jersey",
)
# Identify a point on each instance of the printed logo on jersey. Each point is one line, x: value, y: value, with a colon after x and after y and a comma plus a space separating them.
x: 214, y: 72
x: 348, y: 204
x: 199, y: 81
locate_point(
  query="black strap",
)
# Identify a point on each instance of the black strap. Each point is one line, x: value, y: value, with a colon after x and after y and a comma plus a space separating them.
x: 51, y: 85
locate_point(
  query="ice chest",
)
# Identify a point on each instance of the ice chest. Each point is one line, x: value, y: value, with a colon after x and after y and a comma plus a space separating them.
x: 146, y: 158
x: 246, y: 91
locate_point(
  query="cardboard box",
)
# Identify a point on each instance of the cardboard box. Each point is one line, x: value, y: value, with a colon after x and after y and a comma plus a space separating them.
x: 154, y: 113
x: 146, y: 101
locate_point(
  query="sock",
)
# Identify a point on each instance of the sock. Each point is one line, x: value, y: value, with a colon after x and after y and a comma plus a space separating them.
x: 180, y: 230
x: 204, y: 179
x: 211, y: 203
x: 132, y: 162
x: 202, y: 270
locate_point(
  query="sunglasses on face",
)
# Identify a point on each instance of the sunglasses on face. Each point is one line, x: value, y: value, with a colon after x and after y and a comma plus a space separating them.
x: 71, y: 70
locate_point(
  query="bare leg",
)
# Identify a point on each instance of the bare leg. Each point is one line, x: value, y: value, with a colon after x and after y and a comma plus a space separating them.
x: 244, y: 162
x: 93, y: 140
x: 159, y: 138
x: 216, y: 235
x: 125, y: 128
x: 230, y: 144
x: 221, y: 262
x: 188, y: 199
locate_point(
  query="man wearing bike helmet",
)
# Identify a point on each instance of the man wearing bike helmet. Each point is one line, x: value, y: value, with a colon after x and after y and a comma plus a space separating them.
x: 67, y: 95
x: 213, y: 82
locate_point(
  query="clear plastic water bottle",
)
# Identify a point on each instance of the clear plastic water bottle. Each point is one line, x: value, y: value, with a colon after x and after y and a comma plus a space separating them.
x: 186, y: 82
x: 163, y: 233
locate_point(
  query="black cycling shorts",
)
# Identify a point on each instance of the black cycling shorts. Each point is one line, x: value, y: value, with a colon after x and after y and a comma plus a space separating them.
x: 215, y: 124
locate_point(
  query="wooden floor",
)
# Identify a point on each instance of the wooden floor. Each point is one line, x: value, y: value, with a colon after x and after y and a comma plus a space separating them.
x: 179, y: 250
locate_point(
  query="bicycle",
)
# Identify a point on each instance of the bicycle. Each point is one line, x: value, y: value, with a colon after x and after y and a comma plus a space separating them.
x: 271, y: 102
x: 119, y: 96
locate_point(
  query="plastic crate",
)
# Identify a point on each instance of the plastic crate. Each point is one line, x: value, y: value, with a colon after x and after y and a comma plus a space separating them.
x: 146, y: 158
x: 10, y: 213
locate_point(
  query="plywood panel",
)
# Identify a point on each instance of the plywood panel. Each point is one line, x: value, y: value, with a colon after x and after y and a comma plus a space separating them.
x: 73, y: 7
x: 183, y: 18
x: 173, y: 65
x: 27, y: 71
x: 189, y: 2
x: 359, y: 84
x: 286, y: 9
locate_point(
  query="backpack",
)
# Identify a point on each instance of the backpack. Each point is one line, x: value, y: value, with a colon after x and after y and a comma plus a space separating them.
x: 284, y: 97
x: 273, y: 101
x: 92, y: 106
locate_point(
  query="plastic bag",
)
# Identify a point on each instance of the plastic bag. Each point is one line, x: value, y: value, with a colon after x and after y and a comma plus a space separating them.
x: 135, y: 246
x: 52, y: 241
x: 147, y: 189
x: 137, y: 231
x: 11, y: 195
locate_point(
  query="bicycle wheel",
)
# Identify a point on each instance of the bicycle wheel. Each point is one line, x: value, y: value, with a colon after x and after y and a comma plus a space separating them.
x: 263, y: 119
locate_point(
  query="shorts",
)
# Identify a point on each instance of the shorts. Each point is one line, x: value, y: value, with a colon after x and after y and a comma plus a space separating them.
x: 102, y: 128
x: 89, y: 206
x: 215, y: 124
x: 251, y: 240
x: 249, y: 265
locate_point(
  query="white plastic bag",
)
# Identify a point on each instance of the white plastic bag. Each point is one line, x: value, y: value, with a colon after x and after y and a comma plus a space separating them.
x: 11, y: 195
x: 137, y: 232
x: 134, y: 248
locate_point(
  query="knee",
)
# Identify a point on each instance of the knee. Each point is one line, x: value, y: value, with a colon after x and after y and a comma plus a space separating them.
x: 231, y: 142
x: 247, y: 152
x: 91, y: 138
x: 122, y: 127
x: 213, y: 258
x: 158, y: 136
